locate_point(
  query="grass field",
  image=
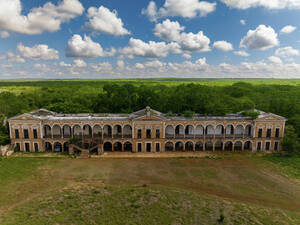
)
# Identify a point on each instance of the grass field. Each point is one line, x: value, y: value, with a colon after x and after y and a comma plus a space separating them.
x: 245, y: 189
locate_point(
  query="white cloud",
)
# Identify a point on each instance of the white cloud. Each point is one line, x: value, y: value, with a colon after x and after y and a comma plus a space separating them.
x: 223, y: 46
x: 269, y: 4
x: 63, y: 64
x: 286, y: 52
x: 243, y: 22
x: 149, y: 50
x: 105, y: 21
x: 172, y: 31
x: 11, y: 57
x: 186, y: 56
x: 241, y: 53
x: 262, y: 38
x: 79, y: 63
x: 46, y: 18
x: 139, y: 66
x: 120, y: 64
x: 4, y: 34
x: 168, y: 30
x: 38, y: 52
x: 288, y: 29
x: 85, y: 48
x: 183, y: 8
x: 274, y: 59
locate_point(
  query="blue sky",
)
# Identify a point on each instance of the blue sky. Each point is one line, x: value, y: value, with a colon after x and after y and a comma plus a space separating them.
x: 138, y: 38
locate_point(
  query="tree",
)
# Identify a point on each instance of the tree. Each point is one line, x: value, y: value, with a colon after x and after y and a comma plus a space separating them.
x: 289, y: 142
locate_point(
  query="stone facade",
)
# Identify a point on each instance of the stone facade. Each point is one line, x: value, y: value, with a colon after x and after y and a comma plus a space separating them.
x: 146, y: 130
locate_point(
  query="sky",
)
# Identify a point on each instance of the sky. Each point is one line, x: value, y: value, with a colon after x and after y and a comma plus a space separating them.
x: 91, y: 39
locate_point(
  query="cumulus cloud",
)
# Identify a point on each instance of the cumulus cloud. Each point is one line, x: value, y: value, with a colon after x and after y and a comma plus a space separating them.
x: 4, y: 34
x: 243, y: 22
x: 63, y: 64
x: 183, y: 8
x: 223, y: 46
x: 269, y: 4
x: 286, y: 52
x: 274, y: 59
x: 46, y: 18
x: 12, y: 57
x: 241, y: 53
x: 288, y: 29
x: 79, y: 63
x: 262, y: 38
x: 151, y: 49
x: 85, y: 48
x: 38, y: 52
x: 172, y: 31
x: 187, y: 56
x: 105, y: 21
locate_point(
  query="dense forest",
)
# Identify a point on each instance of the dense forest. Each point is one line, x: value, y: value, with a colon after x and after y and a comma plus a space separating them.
x: 126, y: 97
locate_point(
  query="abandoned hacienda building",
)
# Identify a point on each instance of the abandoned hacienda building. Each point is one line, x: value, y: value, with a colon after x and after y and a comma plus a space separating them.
x: 146, y: 130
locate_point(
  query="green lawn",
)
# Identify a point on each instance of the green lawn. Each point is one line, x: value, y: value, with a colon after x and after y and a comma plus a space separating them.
x: 246, y: 189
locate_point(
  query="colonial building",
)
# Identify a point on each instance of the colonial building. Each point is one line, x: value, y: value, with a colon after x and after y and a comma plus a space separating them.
x: 146, y: 130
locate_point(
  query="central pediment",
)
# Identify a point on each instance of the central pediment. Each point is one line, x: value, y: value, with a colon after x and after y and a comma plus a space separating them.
x: 151, y: 117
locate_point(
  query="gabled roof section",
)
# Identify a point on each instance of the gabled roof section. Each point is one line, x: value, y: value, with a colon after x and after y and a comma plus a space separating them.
x: 268, y: 116
x: 147, y: 114
x: 42, y: 112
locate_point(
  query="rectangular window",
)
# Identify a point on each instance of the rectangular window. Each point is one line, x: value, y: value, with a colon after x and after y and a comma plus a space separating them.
x: 277, y: 132
x: 139, y: 147
x: 139, y: 133
x: 36, y: 147
x: 27, y: 147
x: 276, y: 146
x: 148, y: 147
x: 157, y: 133
x: 35, y: 136
x: 157, y: 146
x: 26, y: 134
x: 148, y: 133
x: 259, y: 146
x: 18, y: 147
x: 260, y: 133
x: 269, y: 131
x: 17, y: 135
x: 267, y: 146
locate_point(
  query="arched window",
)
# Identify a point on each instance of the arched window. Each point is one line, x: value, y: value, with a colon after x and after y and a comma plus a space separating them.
x: 239, y: 131
x: 248, y: 146
x: 97, y: 131
x: 169, y: 147
x: 179, y: 131
x: 248, y: 131
x: 238, y: 146
x: 77, y: 131
x: 189, y: 131
x: 56, y: 130
x: 179, y: 146
x: 127, y: 131
x: 107, y: 131
x: 57, y: 147
x: 127, y: 146
x: 47, y: 131
x: 199, y: 132
x: 209, y: 146
x: 199, y: 146
x: 67, y: 131
x: 219, y: 132
x: 117, y: 147
x: 48, y: 147
x: 189, y: 146
x: 107, y: 147
x: 87, y: 131
x: 228, y: 146
x: 218, y: 146
x: 229, y: 131
x: 169, y: 131
x: 209, y: 131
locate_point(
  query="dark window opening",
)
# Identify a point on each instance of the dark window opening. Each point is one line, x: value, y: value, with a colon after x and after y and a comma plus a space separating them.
x: 277, y: 132
x: 267, y: 146
x: 157, y: 147
x: 157, y: 133
x: 260, y: 133
x: 27, y: 147
x: 35, y: 136
x: 17, y: 134
x: 18, y: 147
x: 26, y: 134
x: 36, y: 147
x: 139, y: 147
x: 139, y: 133
x: 276, y: 146
x: 148, y: 133
x: 148, y: 147
x: 259, y: 146
x: 269, y: 133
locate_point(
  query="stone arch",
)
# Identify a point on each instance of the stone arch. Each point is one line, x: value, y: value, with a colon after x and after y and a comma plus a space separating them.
x: 87, y: 131
x: 56, y: 131
x: 128, y: 146
x: 219, y: 131
x: 117, y: 146
x: 107, y: 146
x: 209, y: 146
x: 169, y: 131
x: 97, y: 131
x: 57, y: 147
x: 67, y: 131
x: 66, y: 147
x: 169, y: 147
x: 239, y: 131
x: 229, y: 130
x: 199, y: 131
x: 179, y: 146
x: 77, y: 131
x: 228, y: 146
x: 179, y: 130
x: 47, y: 131
x: 189, y: 130
x: 189, y: 146
x: 219, y: 146
x: 209, y: 131
x: 248, y: 146
x: 117, y: 131
x: 199, y: 146
x: 238, y: 146
x: 248, y: 130
x: 48, y: 147
x: 107, y: 131
x: 127, y: 131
